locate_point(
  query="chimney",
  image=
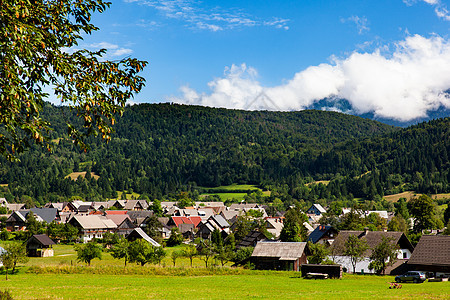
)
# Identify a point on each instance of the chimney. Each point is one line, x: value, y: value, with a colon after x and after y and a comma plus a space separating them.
x: 366, y: 230
x: 385, y: 229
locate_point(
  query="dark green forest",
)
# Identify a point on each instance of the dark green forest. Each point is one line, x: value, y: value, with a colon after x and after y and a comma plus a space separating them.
x: 159, y: 150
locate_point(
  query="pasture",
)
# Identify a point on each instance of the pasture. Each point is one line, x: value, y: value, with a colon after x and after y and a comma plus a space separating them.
x: 61, y: 277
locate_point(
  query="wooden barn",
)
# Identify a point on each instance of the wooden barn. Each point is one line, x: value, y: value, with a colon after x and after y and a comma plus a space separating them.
x: 40, y: 245
x: 279, y: 255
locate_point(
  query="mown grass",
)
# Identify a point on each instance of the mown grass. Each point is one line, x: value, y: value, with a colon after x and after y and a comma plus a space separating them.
x: 250, y: 284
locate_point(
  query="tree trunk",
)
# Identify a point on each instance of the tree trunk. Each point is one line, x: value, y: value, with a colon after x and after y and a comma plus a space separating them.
x: 6, y: 273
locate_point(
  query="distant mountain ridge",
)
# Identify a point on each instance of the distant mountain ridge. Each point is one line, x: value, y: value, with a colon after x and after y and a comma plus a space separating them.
x: 344, y: 106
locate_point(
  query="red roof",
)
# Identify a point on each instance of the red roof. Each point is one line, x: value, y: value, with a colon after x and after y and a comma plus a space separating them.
x: 196, y: 220
x: 181, y: 220
x: 116, y: 212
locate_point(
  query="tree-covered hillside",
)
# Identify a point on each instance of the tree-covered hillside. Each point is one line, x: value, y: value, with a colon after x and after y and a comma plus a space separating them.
x: 160, y: 149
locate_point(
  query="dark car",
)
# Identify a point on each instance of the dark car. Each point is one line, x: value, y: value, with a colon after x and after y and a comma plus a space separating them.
x: 412, y: 276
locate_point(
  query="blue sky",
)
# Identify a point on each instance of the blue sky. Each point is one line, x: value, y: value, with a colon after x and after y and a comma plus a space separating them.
x: 389, y: 57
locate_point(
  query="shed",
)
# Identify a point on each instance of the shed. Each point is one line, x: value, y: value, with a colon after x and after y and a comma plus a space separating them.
x: 279, y: 255
x: 40, y: 245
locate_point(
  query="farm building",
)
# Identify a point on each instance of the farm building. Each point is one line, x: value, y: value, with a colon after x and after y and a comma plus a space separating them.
x: 40, y: 245
x: 373, y: 238
x: 432, y: 254
x: 279, y: 255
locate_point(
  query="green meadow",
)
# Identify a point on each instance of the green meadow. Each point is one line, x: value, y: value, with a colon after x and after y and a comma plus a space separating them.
x: 62, y: 277
x: 250, y: 284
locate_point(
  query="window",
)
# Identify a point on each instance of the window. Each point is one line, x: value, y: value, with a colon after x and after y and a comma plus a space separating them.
x: 405, y: 255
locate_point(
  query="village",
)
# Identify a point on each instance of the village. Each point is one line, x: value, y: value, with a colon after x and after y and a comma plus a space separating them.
x: 242, y: 234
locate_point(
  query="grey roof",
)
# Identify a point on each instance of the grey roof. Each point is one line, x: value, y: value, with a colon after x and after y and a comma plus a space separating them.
x: 139, y: 233
x: 15, y: 206
x: 282, y: 250
x: 139, y: 214
x: 241, y: 206
x: 220, y: 221
x: 131, y: 204
x: 94, y: 222
x: 46, y: 214
x: 432, y: 250
x: 229, y: 214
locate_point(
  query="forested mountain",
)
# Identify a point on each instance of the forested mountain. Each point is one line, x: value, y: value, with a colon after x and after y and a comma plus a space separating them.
x: 160, y: 149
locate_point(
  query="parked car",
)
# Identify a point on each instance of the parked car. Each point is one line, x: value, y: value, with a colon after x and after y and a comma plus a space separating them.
x: 413, y: 276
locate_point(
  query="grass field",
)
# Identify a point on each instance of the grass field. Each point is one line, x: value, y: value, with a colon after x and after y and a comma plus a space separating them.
x: 74, y: 175
x: 234, y: 191
x: 409, y: 195
x: 253, y: 284
x: 136, y: 282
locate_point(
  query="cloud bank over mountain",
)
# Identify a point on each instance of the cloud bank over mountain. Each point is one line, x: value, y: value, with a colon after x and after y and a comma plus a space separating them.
x: 402, y: 84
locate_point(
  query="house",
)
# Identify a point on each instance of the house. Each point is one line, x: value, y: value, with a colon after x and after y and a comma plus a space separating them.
x: 373, y: 238
x: 217, y: 221
x: 279, y: 255
x: 230, y: 215
x: 323, y: 234
x: 40, y: 245
x: 274, y: 226
x: 2, y: 250
x: 205, y: 230
x: 381, y: 213
x: 242, y: 206
x: 251, y: 239
x: 316, y: 209
x: 16, y: 222
x: 15, y: 206
x: 138, y: 216
x: 18, y: 219
x: 138, y: 233
x: 136, y: 205
x: 432, y: 254
x: 92, y: 226
x: 123, y: 222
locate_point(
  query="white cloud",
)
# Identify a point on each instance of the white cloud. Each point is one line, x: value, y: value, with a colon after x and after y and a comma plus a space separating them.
x: 439, y: 8
x: 213, y: 19
x: 403, y: 84
x: 360, y: 22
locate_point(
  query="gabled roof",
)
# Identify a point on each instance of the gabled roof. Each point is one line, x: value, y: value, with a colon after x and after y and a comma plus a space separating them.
x: 47, y: 214
x: 281, y: 250
x: 241, y: 206
x: 319, y: 232
x: 319, y: 208
x: 251, y: 239
x: 139, y: 214
x: 41, y: 239
x: 138, y: 233
x: 195, y: 220
x: 118, y: 219
x: 229, y: 214
x: 84, y: 207
x: 432, y: 250
x: 15, y: 206
x: 373, y: 238
x: 219, y: 220
x: 93, y: 222
x: 181, y: 220
x: 132, y: 204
